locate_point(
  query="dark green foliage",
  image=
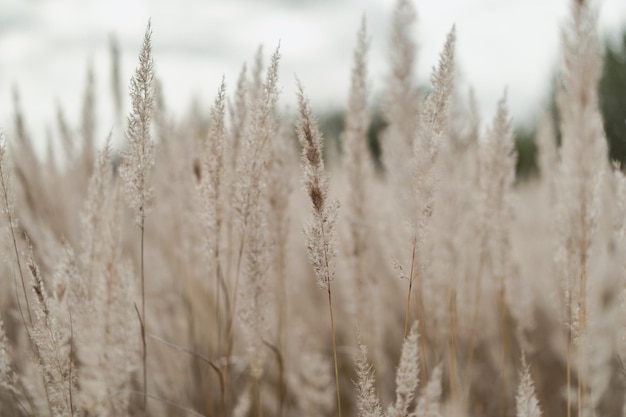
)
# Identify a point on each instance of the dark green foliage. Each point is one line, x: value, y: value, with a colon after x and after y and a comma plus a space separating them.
x: 332, y: 124
x: 613, y: 99
x: 526, y: 148
x: 612, y: 102
x: 377, y: 126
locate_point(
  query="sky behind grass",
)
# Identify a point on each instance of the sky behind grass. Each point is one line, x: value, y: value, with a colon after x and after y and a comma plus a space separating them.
x: 45, y: 47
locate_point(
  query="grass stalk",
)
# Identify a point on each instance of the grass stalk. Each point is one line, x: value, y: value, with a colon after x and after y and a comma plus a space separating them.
x: 231, y: 315
x: 408, y: 297
x: 505, y: 346
x: 282, y: 389
x: 569, y: 372
x: 204, y: 359
x: 5, y: 188
x: 452, y: 348
x: 257, y: 397
x: 474, y: 323
x: 334, y: 340
x: 582, y: 312
x: 70, y: 365
x: 319, y: 233
x: 143, y: 321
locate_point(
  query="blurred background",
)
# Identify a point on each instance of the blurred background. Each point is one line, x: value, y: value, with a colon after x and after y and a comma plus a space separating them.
x: 46, y: 47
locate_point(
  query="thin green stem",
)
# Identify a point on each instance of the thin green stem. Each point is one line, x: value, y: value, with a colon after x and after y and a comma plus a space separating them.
x: 19, y: 264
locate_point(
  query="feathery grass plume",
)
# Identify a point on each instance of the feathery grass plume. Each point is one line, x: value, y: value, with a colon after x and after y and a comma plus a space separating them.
x: 93, y: 212
x: 359, y: 169
x: 605, y: 383
x: 583, y: 165
x: 255, y: 297
x: 401, y: 105
x: 211, y: 193
x: 255, y: 84
x: 473, y: 139
x: 259, y: 126
x: 51, y: 341
x: 7, y: 202
x: 407, y: 375
x: 367, y: 401
x: 433, y: 126
x: 138, y: 158
x: 116, y: 79
x: 88, y: 123
x: 101, y: 300
x: 452, y: 222
x: 67, y: 138
x: 526, y: 400
x: 604, y: 393
x: 7, y: 376
x: 357, y: 159
x: 434, y: 116
x: 425, y: 175
x: 238, y: 111
x: 281, y: 165
x: 211, y: 190
x: 429, y: 404
x: 312, y: 385
x: 251, y: 218
x: 5, y: 364
x: 320, y: 234
x: 10, y: 382
x: 360, y: 221
x: 86, y: 339
x: 23, y: 138
x: 137, y: 163
x: 256, y: 253
x: 448, y: 294
x: 498, y: 161
x: 497, y: 176
x: 115, y: 325
x: 214, y: 153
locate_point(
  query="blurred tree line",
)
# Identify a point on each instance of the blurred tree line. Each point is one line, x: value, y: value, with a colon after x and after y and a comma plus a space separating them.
x: 612, y: 96
x: 612, y: 101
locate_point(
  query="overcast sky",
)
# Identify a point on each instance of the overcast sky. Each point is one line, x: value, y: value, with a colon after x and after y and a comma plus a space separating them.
x: 45, y: 46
